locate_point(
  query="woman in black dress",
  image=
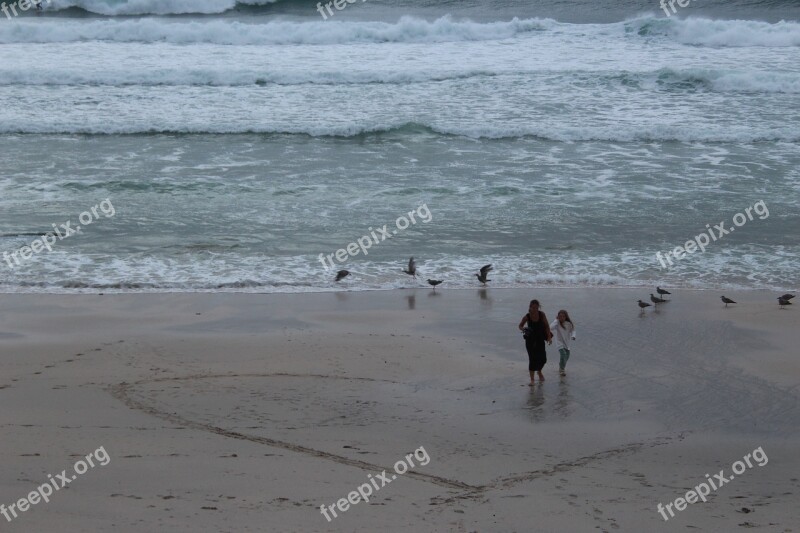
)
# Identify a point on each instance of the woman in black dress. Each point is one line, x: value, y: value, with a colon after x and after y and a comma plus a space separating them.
x: 536, y: 334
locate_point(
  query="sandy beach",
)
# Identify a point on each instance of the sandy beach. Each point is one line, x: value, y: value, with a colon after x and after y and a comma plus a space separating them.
x: 234, y: 412
x: 221, y: 222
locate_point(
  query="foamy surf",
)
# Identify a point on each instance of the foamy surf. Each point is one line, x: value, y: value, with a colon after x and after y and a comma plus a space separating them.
x: 153, y: 7
x: 409, y: 29
x: 238, y: 147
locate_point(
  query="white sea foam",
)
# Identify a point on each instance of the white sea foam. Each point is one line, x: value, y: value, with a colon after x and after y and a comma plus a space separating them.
x: 710, y: 79
x: 737, y: 33
x: 752, y: 81
x: 563, y: 133
x: 406, y: 30
x: 722, y: 33
x: 413, y: 104
x: 156, y: 7
x: 692, y: 31
x: 227, y: 77
x: 98, y: 273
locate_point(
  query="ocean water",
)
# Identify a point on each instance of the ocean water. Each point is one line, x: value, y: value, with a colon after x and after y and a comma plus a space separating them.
x: 565, y: 142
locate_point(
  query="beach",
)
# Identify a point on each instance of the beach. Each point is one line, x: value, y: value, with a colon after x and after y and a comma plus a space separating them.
x: 246, y: 412
x: 221, y: 222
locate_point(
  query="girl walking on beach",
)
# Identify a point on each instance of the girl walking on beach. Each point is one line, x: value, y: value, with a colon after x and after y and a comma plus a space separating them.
x: 564, y: 332
x: 536, y: 333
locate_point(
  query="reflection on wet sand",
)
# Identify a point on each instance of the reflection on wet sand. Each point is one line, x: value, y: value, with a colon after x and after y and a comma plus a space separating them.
x: 342, y: 296
x: 561, y: 408
x: 484, y: 294
x: 536, y: 402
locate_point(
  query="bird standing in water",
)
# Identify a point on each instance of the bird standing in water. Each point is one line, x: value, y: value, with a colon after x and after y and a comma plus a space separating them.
x: 726, y: 300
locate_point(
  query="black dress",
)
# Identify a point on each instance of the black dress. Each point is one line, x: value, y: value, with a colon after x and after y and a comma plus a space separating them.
x: 534, y: 343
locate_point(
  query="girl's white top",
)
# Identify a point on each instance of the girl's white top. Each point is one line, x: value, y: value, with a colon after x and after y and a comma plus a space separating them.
x: 563, y: 334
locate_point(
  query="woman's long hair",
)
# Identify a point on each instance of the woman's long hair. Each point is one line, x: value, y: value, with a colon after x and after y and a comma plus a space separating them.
x: 567, y: 315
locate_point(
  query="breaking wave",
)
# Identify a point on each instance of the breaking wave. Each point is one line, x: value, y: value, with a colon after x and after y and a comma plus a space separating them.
x: 406, y: 30
x: 717, y: 33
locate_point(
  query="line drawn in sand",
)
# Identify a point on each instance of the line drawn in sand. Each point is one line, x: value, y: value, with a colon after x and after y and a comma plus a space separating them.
x: 124, y: 393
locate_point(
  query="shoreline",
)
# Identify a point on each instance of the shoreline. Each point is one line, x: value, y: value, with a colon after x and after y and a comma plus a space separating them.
x: 105, y: 292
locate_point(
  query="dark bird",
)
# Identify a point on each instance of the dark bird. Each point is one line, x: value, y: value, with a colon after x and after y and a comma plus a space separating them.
x: 727, y: 301
x: 412, y: 268
x: 342, y: 274
x: 434, y: 282
x: 783, y: 302
x: 787, y: 296
x: 656, y: 300
x: 484, y: 272
x: 642, y: 305
x: 661, y: 291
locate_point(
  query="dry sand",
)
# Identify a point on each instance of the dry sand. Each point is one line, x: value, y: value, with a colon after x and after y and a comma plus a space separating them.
x: 232, y: 412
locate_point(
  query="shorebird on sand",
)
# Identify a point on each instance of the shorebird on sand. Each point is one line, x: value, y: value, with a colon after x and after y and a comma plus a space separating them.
x: 342, y: 274
x: 783, y: 302
x: 642, y: 305
x: 656, y: 300
x: 412, y: 268
x: 661, y: 291
x: 787, y: 296
x: 484, y: 272
x: 434, y: 282
x: 727, y: 301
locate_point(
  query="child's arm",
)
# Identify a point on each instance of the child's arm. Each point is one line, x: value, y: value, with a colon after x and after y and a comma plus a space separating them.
x: 573, y: 332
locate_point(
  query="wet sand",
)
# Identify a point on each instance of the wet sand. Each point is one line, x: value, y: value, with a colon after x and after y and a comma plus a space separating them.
x: 231, y: 412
